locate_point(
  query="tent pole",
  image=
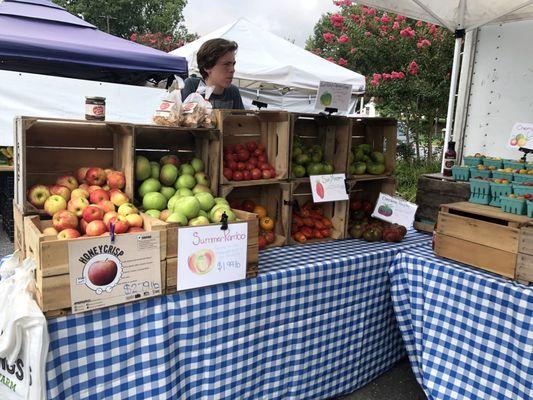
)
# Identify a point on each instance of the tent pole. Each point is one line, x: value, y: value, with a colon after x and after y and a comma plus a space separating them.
x: 459, y: 34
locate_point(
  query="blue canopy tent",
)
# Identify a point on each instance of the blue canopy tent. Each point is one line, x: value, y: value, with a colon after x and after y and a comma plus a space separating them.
x: 38, y: 36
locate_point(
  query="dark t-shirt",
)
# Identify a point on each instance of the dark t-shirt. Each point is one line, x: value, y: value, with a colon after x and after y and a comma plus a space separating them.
x: 229, y: 99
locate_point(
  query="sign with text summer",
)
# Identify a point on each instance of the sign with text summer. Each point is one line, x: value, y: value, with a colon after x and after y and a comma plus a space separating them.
x: 328, y: 188
x: 521, y: 136
x: 395, y: 210
x: 104, y: 273
x: 208, y: 255
x: 333, y: 95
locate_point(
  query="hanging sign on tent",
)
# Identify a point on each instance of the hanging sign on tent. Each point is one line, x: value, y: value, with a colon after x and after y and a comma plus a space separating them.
x: 521, y: 136
x: 333, y: 95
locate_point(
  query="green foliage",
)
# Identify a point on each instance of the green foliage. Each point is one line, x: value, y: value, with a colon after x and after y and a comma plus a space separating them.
x: 407, y: 175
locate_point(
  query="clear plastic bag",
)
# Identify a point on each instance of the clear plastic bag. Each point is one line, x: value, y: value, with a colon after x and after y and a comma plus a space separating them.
x: 168, y: 111
x: 196, y: 112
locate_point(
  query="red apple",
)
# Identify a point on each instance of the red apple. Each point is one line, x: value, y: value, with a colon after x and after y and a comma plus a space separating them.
x: 248, y: 205
x: 235, y: 204
x: 233, y: 165
x: 136, y: 220
x: 108, y: 216
x: 64, y: 219
x: 121, y: 224
x: 79, y: 192
x: 264, y: 166
x: 92, y: 213
x: 249, y: 166
x: 95, y: 228
x: 84, y: 186
x: 251, y: 145
x: 54, y: 204
x: 92, y: 188
x: 106, y: 205
x: 244, y: 155
x: 256, y: 173
x: 118, y: 198
x: 83, y: 225
x: 62, y: 191
x: 257, y: 153
x: 68, y: 234
x: 228, y: 173
x: 38, y: 194
x: 246, y: 175
x: 237, y: 176
x: 262, y: 159
x: 253, y: 161
x: 67, y: 181
x: 241, y: 166
x: 272, y: 172
x: 77, y: 205
x: 135, y: 229
x: 267, y: 174
x: 102, y: 273
x: 95, y: 176
x: 50, y: 231
x: 238, y: 147
x: 116, y: 180
x: 261, y: 147
x: 170, y: 159
x: 270, y: 237
x: 80, y: 174
x: 98, y: 195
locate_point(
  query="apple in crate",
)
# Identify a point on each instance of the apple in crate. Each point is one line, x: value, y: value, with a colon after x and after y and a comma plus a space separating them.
x: 38, y: 194
x: 127, y: 209
x: 96, y: 176
x: 135, y: 220
x: 92, y: 213
x: 68, y: 181
x: 116, y: 180
x: 50, y: 231
x: 60, y: 190
x: 98, y: 195
x: 77, y: 205
x: 108, y: 216
x: 135, y: 229
x: 106, y: 205
x: 54, y: 204
x: 64, y: 219
x: 68, y: 234
x: 118, y: 197
x: 83, y: 225
x: 121, y: 224
x: 80, y: 174
x: 92, y: 188
x: 95, y: 228
x: 79, y: 192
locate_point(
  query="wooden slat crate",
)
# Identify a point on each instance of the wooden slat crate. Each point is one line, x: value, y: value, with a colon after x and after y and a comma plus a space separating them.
x: 331, y: 133
x: 485, y: 237
x: 46, y: 148
x: 51, y: 257
x: 252, y: 255
x: 381, y: 134
x: 271, y: 128
x: 335, y: 211
x: 274, y: 198
x: 155, y: 141
x: 18, y: 240
x: 434, y: 190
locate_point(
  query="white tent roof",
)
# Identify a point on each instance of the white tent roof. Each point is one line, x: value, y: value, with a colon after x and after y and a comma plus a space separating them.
x: 266, y: 60
x: 458, y: 14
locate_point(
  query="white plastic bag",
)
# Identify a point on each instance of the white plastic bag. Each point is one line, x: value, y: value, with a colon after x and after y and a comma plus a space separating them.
x: 23, y: 335
x: 168, y: 111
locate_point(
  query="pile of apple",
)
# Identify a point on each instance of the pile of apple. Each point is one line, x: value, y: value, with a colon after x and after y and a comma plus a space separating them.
x: 310, y: 223
x: 244, y: 162
x: 267, y: 224
x: 178, y: 193
x: 87, y: 204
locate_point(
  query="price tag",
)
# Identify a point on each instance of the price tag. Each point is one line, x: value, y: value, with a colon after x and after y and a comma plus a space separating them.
x: 328, y: 188
x: 333, y: 95
x: 208, y: 255
x: 395, y: 210
x: 521, y: 136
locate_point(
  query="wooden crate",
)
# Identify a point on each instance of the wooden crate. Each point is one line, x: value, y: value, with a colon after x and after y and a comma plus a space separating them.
x: 367, y: 190
x: 275, y: 198
x: 252, y: 255
x: 46, y: 148
x: 486, y: 238
x: 155, y: 141
x: 271, y: 128
x: 524, y: 262
x: 18, y: 240
x: 51, y: 257
x: 434, y: 190
x: 381, y: 134
x: 335, y: 211
x: 331, y: 133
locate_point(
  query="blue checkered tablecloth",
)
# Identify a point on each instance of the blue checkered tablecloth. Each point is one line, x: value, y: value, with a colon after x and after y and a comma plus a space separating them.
x: 317, y: 322
x: 468, y: 333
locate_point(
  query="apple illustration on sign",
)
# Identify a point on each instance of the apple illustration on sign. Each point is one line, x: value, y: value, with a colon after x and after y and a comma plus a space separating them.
x: 103, y: 272
x: 202, y: 261
x: 320, y: 190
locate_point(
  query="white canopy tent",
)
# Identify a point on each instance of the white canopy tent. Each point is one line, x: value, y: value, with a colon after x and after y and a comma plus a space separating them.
x: 458, y: 16
x: 274, y: 70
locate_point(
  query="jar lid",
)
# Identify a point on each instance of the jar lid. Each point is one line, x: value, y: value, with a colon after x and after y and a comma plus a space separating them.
x: 94, y: 98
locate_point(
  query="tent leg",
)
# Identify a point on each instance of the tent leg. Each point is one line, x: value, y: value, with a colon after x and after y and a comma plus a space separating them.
x: 453, y: 89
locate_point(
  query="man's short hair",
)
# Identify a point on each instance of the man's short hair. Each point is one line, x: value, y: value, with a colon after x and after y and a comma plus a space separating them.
x: 210, y: 52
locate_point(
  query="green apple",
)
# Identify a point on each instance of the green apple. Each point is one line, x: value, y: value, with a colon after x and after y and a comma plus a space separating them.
x: 142, y: 168
x: 172, y: 201
x: 201, y: 178
x: 199, y: 221
x: 221, y: 200
x: 206, y: 200
x: 178, y: 218
x: 184, y: 192
x: 185, y: 181
x: 199, y: 188
x: 187, y: 169
x: 215, y: 209
x: 153, y: 213
x: 168, y: 174
x: 216, y: 216
x: 188, y: 206
x: 154, y: 201
x: 202, y: 213
x: 167, y: 191
x: 149, y: 185
x: 197, y: 164
x: 155, y: 168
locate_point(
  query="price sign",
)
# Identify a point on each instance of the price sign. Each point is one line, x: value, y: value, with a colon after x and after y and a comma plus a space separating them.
x: 395, y: 210
x: 333, y: 95
x: 208, y: 255
x: 330, y: 187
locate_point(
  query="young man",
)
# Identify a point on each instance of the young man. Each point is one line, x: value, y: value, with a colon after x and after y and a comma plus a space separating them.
x: 216, y: 62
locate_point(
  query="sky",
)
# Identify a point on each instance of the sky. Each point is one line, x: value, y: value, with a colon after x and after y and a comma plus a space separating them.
x: 290, y: 19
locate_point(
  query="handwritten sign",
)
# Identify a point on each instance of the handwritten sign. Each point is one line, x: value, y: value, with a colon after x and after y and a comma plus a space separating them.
x: 208, y: 255
x: 333, y: 95
x: 328, y: 188
x: 521, y: 136
x: 395, y: 210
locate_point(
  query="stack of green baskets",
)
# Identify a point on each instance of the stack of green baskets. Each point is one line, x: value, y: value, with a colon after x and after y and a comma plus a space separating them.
x: 513, y: 205
x: 491, y: 162
x: 461, y: 173
x: 497, y: 190
x: 529, y: 208
x: 473, y: 161
x: 513, y: 164
x: 480, y: 173
x: 479, y: 191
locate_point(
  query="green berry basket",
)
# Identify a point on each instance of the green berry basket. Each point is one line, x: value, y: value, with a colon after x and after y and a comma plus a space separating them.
x: 497, y: 190
x: 473, y: 161
x: 480, y: 173
x: 502, y: 175
x: 529, y: 208
x: 513, y: 206
x: 493, y: 163
x: 479, y: 191
x: 521, y: 178
x: 521, y: 190
x: 529, y: 166
x: 513, y: 164
x: 461, y: 173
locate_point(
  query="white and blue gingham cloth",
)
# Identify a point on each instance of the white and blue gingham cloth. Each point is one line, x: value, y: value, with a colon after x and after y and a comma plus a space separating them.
x: 468, y: 333
x: 317, y: 322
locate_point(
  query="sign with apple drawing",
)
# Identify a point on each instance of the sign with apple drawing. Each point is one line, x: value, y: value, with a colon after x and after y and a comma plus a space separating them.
x: 521, y: 136
x: 333, y: 95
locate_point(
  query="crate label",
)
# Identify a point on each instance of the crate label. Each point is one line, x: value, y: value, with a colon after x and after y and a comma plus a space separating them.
x: 395, y: 210
x: 328, y: 188
x: 208, y: 255
x: 333, y: 95
x: 521, y: 136
x: 105, y: 273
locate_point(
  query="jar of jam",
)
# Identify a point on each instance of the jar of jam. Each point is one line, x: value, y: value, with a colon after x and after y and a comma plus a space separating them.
x: 95, y: 108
